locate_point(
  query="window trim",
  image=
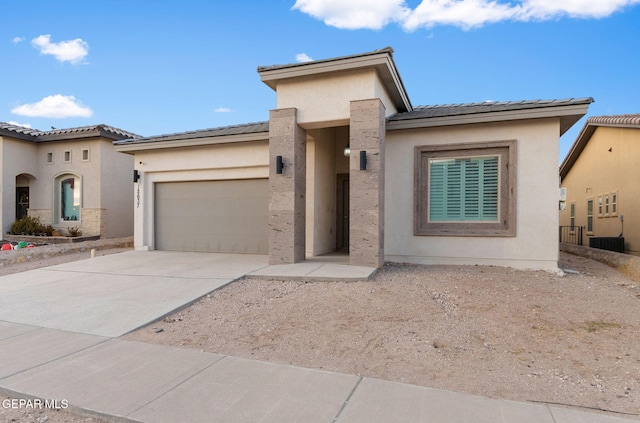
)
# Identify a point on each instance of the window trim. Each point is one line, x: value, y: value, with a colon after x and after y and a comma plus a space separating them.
x: 614, y: 204
x: 57, y: 198
x: 590, y: 216
x: 600, y: 205
x: 572, y: 217
x: 506, y: 224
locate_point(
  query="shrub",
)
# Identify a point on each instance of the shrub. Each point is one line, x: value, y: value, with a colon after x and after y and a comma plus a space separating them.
x: 74, y: 231
x: 28, y: 225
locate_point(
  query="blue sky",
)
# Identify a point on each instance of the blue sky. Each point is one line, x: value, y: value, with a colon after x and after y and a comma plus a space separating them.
x: 156, y: 67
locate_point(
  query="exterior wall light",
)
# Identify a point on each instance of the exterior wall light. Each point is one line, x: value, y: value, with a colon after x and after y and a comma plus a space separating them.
x: 347, y: 150
x: 363, y: 160
x: 279, y: 165
x: 136, y: 175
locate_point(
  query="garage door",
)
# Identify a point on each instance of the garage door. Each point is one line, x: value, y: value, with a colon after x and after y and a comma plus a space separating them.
x: 212, y: 216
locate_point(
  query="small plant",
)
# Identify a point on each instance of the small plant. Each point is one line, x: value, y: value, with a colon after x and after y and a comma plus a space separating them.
x: 594, y: 326
x: 28, y: 225
x: 74, y: 231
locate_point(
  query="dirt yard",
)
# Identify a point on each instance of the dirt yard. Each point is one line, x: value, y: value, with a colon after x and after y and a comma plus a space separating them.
x: 526, y: 336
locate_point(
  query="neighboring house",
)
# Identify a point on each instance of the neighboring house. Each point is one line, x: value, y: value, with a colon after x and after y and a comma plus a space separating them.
x: 455, y: 184
x: 600, y: 176
x: 67, y: 178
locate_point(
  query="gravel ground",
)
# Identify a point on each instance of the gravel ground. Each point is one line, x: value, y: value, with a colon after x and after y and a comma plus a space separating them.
x: 525, y: 336
x: 520, y: 335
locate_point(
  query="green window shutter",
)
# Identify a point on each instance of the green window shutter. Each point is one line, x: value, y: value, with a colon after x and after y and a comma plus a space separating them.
x: 463, y: 189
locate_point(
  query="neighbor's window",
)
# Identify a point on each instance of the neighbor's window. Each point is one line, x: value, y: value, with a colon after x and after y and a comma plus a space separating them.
x: 606, y: 204
x: 85, y: 155
x: 68, y: 198
x: 600, y: 205
x: 49, y: 158
x: 572, y: 215
x: 590, y: 215
x: 466, y: 189
x: 67, y: 156
x: 614, y: 203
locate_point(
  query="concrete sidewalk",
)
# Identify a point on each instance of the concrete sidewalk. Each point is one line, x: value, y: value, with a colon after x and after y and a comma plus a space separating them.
x: 125, y: 381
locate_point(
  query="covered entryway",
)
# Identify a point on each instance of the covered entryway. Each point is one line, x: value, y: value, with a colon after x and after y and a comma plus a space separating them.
x: 227, y: 216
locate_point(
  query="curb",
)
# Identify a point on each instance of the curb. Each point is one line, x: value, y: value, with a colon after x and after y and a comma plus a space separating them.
x: 45, y: 251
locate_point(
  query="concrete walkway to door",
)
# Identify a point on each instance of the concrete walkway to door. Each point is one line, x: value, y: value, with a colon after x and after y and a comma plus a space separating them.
x: 115, y: 294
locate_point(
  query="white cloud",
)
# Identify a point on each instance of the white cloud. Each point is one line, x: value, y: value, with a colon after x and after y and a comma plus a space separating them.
x: 361, y: 14
x: 223, y: 110
x: 24, y: 125
x: 73, y: 51
x: 17, y: 40
x: 354, y: 14
x: 303, y: 57
x: 54, y: 106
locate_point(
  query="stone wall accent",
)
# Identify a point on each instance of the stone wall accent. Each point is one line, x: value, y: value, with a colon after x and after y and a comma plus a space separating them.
x: 44, y: 215
x: 93, y: 221
x: 287, y: 192
x: 366, y: 197
x: 625, y: 263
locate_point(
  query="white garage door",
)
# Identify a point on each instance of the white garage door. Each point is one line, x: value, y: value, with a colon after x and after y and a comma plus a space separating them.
x: 212, y: 216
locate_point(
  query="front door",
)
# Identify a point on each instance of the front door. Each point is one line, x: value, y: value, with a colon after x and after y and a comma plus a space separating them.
x: 22, y: 202
x: 342, y: 209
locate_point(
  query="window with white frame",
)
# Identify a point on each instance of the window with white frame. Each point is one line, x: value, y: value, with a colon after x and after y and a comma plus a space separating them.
x: 465, y: 189
x: 572, y: 216
x: 614, y: 203
x: 600, y: 205
x: 590, y: 215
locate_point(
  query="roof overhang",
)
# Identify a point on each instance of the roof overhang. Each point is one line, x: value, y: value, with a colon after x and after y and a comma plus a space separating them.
x: 623, y: 121
x: 189, y: 139
x: 568, y: 115
x: 380, y: 60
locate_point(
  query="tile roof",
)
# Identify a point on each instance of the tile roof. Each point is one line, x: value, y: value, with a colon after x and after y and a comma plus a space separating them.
x: 36, y: 135
x: 617, y: 120
x: 447, y: 110
x: 621, y: 121
x: 244, y: 129
x: 420, y: 112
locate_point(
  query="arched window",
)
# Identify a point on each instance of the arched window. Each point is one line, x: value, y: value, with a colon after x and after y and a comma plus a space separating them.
x: 68, y: 198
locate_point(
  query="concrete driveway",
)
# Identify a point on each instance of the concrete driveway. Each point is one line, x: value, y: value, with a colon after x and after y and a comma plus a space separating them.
x: 115, y: 294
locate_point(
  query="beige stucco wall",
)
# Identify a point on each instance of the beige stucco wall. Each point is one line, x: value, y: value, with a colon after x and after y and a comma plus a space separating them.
x: 244, y: 160
x: 599, y: 171
x: 536, y: 242
x: 104, y: 177
x: 117, y: 188
x: 16, y: 157
x: 321, y: 192
x: 325, y: 100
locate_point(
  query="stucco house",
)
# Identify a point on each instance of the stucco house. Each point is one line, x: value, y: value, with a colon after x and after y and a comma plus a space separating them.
x: 600, y: 177
x: 68, y: 178
x: 453, y: 184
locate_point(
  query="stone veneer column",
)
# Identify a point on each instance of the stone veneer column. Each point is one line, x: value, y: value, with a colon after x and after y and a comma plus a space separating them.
x: 287, y: 199
x: 366, y: 197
